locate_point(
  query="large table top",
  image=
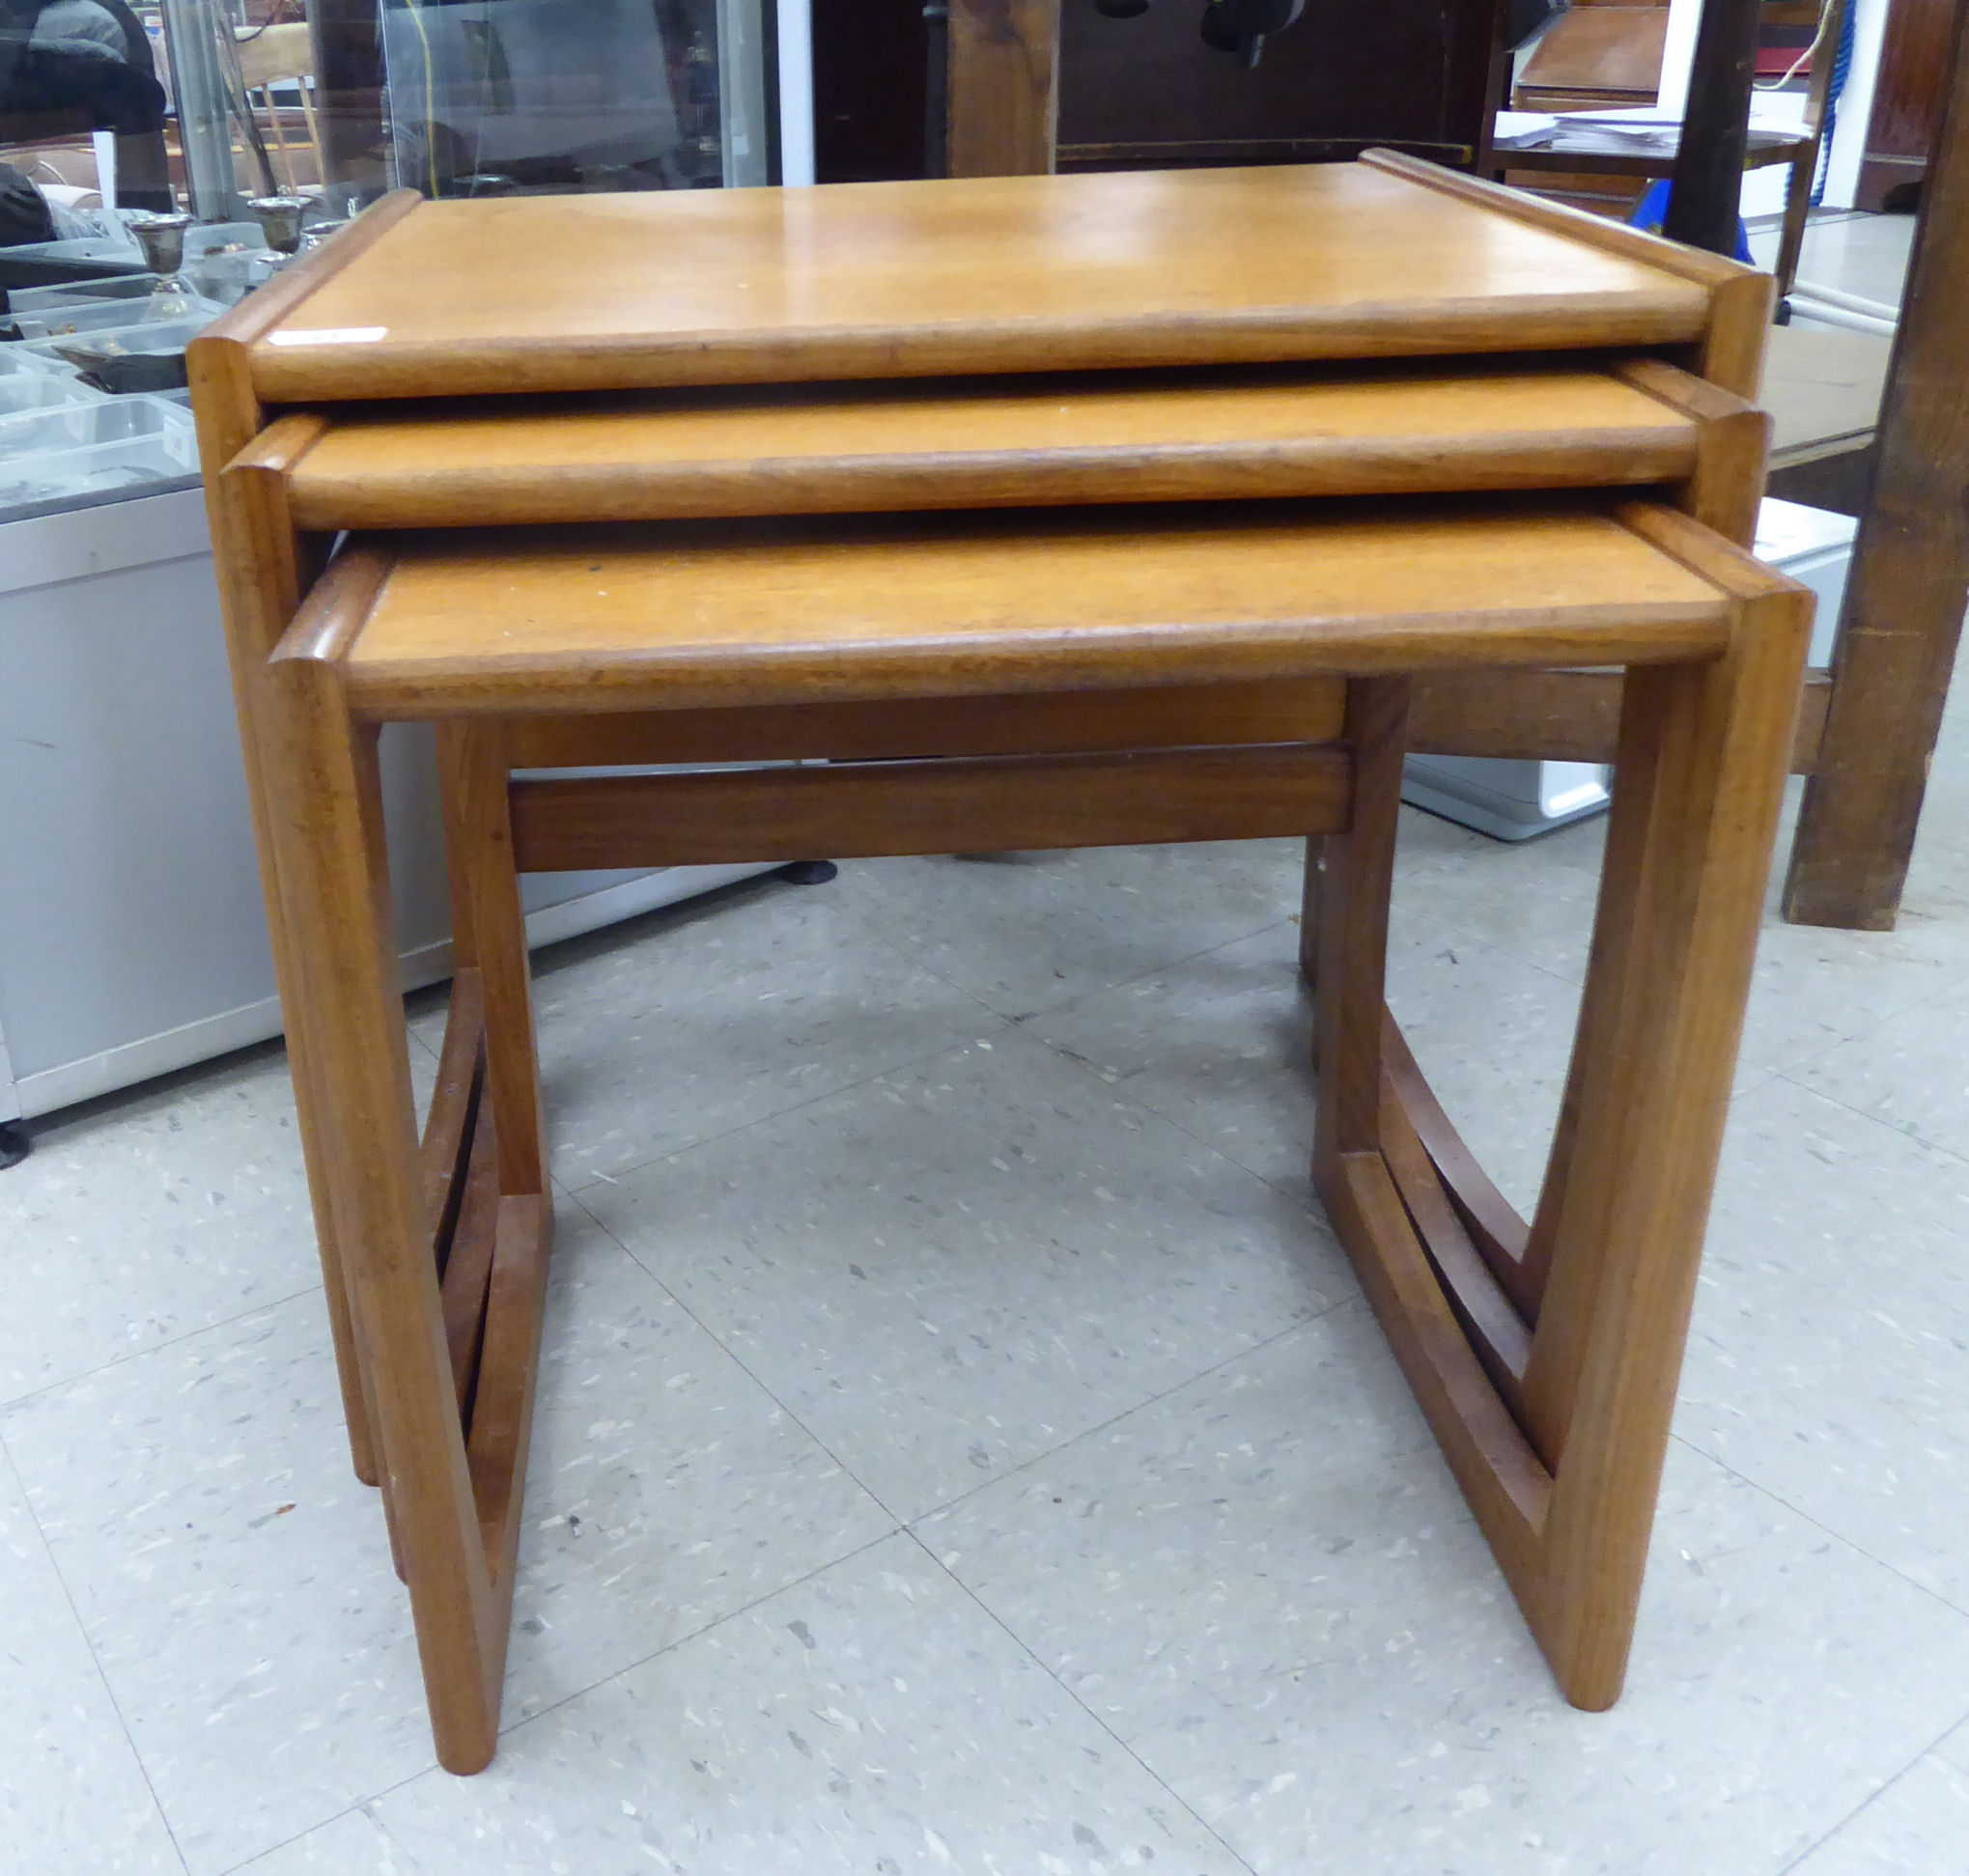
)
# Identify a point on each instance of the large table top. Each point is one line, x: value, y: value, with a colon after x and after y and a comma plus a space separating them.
x: 897, y: 279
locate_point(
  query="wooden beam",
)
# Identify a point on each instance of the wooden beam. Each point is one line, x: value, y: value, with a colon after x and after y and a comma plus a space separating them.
x: 1555, y: 716
x: 1003, y: 87
x: 1903, y: 605
x: 964, y: 807
x: 1708, y: 177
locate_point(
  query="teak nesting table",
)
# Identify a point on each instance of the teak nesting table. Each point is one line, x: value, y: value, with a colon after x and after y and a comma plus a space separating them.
x: 1043, y: 512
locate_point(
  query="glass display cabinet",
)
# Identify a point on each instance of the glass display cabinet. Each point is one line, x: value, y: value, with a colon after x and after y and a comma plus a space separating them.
x: 161, y: 161
x: 157, y: 163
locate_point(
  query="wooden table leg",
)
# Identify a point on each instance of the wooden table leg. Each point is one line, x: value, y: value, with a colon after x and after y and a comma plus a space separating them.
x: 264, y: 569
x: 1549, y: 1377
x: 328, y: 813
x: 1347, y: 895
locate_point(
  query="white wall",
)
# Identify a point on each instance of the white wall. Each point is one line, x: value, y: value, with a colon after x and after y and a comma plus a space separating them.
x: 796, y: 94
x: 1764, y: 190
x: 1849, y: 135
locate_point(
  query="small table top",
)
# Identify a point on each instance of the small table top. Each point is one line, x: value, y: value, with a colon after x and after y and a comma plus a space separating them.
x: 708, y: 613
x: 904, y: 279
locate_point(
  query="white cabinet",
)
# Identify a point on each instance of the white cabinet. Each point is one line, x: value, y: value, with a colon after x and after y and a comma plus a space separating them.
x: 132, y: 936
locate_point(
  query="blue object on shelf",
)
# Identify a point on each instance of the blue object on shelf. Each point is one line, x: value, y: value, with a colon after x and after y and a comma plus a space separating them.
x: 1651, y: 210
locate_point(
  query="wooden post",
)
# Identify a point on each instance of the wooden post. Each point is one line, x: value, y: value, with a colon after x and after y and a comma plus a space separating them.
x: 351, y: 88
x: 1905, y: 599
x: 1708, y: 180
x: 1004, y: 85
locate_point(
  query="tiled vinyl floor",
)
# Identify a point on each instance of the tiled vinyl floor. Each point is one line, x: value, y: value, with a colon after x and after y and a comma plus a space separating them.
x: 961, y: 1447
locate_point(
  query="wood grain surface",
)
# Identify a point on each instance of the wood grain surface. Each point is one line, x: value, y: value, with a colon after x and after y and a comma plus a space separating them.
x: 940, y: 443
x: 1003, y: 87
x: 767, y: 613
x: 943, y: 805
x: 912, y: 279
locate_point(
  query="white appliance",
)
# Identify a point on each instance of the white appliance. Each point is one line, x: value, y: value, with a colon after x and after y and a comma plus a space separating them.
x: 1515, y: 800
x: 1511, y: 800
x: 132, y: 936
x: 1816, y: 546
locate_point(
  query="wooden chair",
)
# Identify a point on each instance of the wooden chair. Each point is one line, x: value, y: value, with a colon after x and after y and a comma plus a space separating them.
x: 280, y: 55
x: 1584, y: 158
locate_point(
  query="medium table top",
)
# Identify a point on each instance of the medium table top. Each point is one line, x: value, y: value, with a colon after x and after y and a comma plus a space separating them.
x: 999, y: 441
x: 900, y: 279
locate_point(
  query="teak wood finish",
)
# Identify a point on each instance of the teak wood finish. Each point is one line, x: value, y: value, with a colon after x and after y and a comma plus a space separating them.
x: 1850, y: 864
x: 1006, y: 274
x: 997, y: 442
x: 1902, y: 617
x: 1106, y: 635
x: 1544, y: 1354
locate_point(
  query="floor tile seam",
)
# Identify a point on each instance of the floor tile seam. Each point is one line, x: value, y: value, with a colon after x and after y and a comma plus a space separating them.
x: 873, y: 928
x: 1313, y: 1209
x: 1094, y: 994
x: 1573, y: 980
x: 95, y: 1660
x: 1875, y: 1025
x: 983, y: 1485
x: 744, y: 1368
x: 1025, y: 1648
x: 849, y: 1473
x: 1120, y: 983
x: 669, y: 1647
x: 363, y: 1804
x: 411, y: 1029
x: 624, y: 1174
x: 1424, y: 870
x: 1085, y: 1067
x: 10, y: 1402
x: 1083, y: 998
x: 1820, y: 1525
x: 1141, y: 1406
x: 355, y: 1809
x: 1882, y: 1120
x: 1931, y: 1750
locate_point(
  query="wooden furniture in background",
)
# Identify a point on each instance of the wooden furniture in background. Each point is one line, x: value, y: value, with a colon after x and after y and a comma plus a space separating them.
x: 1042, y: 677
x: 281, y: 55
x: 1585, y: 162
x: 1005, y: 87
x: 1595, y: 58
x: 1805, y: 165
x: 1902, y: 617
x: 352, y: 94
x: 1909, y: 90
x: 1421, y: 75
x: 1036, y: 85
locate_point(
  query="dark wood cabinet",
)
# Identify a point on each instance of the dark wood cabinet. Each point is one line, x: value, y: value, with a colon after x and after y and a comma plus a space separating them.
x: 1146, y: 93
x: 1417, y: 75
x: 869, y: 66
x: 1908, y: 99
